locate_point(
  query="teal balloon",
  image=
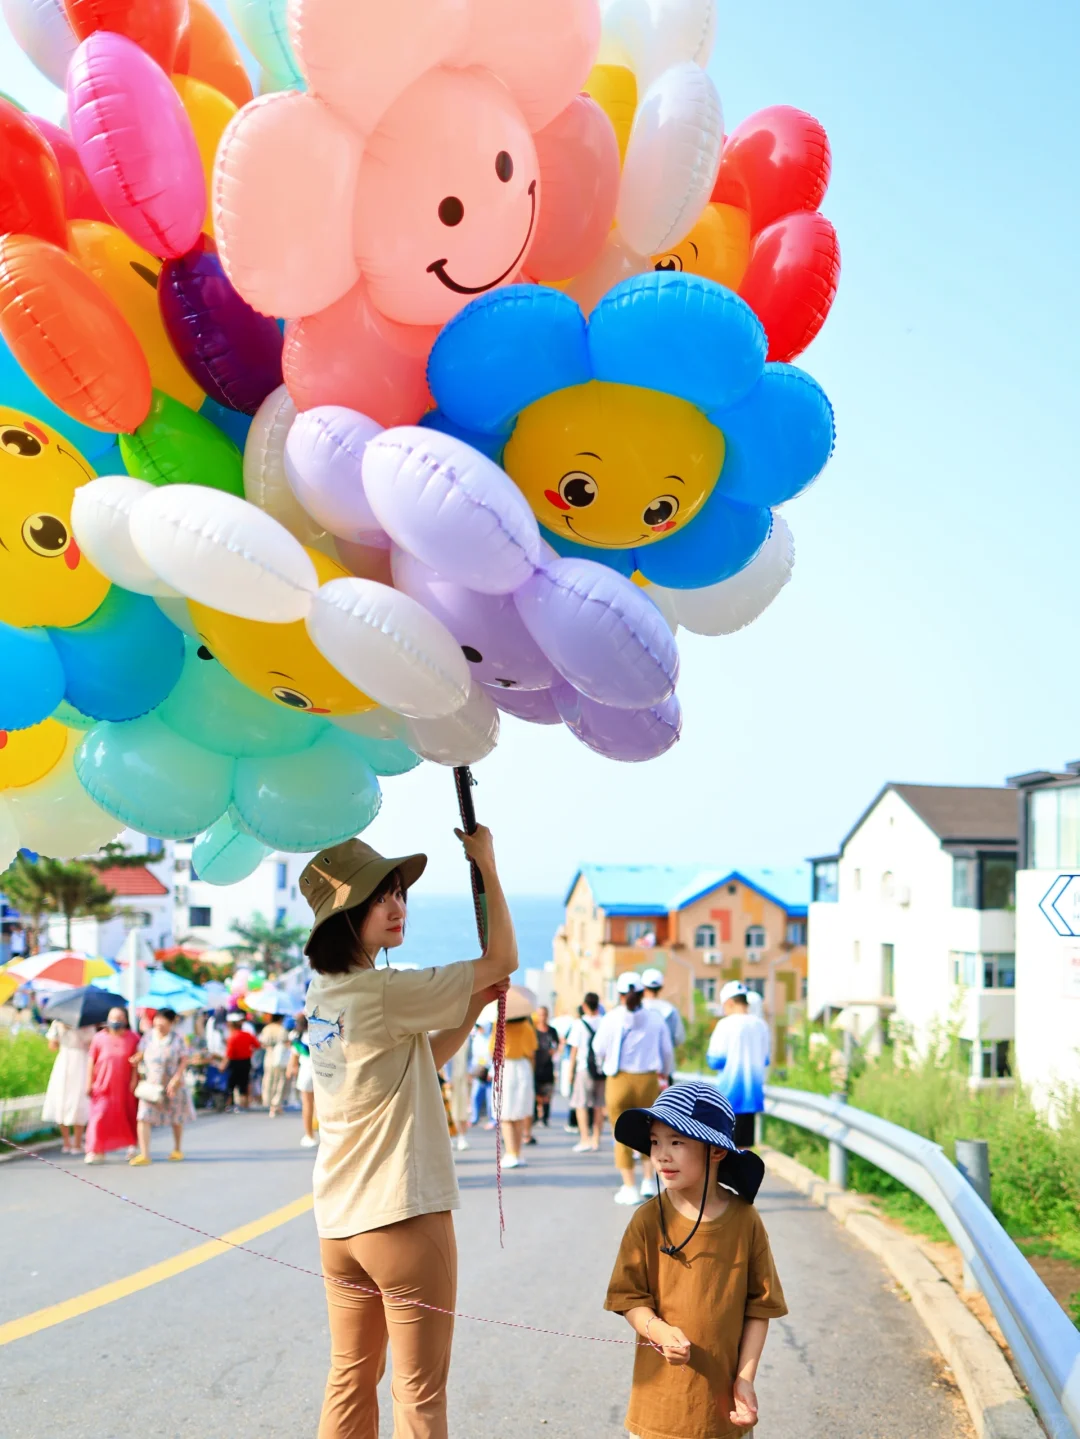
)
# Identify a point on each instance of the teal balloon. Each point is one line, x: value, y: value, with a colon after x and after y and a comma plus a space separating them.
x: 224, y: 854
x: 152, y: 779
x: 386, y: 757
x: 122, y: 661
x: 264, y: 30
x: 232, y: 423
x: 210, y: 708
x: 304, y: 801
x: 18, y: 392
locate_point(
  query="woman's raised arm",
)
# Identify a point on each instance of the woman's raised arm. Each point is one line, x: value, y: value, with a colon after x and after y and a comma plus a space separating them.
x: 500, y: 957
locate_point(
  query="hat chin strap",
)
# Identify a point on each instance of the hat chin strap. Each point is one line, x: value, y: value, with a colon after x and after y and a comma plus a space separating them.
x: 667, y: 1247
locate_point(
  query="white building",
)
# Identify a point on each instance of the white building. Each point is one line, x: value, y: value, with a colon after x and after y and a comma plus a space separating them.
x: 204, y: 913
x: 912, y: 923
x: 1048, y: 932
x: 143, y: 900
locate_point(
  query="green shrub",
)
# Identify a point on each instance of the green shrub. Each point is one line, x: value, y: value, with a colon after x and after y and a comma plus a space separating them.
x: 25, y: 1063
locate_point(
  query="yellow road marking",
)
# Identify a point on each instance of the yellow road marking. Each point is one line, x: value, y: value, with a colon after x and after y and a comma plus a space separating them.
x: 154, y: 1274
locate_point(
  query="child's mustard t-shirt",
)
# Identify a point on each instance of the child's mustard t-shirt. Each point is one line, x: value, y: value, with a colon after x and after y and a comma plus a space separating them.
x: 724, y: 1276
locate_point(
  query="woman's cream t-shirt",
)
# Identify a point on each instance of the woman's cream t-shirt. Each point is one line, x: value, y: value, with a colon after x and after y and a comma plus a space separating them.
x: 384, y: 1152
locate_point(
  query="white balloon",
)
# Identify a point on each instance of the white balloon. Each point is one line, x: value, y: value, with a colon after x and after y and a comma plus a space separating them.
x: 101, y: 523
x: 379, y: 723
x: 664, y: 600
x: 615, y: 262
x: 57, y: 817
x: 223, y: 552
x: 390, y: 647
x: 265, y: 483
x: 175, y: 608
x: 464, y: 737
x: 731, y: 605
x: 43, y: 33
x: 672, y: 158
x: 653, y: 35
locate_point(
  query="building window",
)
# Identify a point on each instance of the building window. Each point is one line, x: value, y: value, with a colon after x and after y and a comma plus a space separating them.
x: 888, y: 885
x: 282, y: 874
x: 292, y: 892
x: 964, y: 968
x: 796, y: 931
x: 987, y: 881
x: 638, y: 929
x: 888, y: 970
x: 964, y: 883
x: 999, y: 971
x: 199, y: 916
x: 826, y: 881
x: 706, y: 988
x: 856, y: 951
x: 755, y: 986
x: 705, y: 936
x: 755, y: 937
x: 1054, y: 824
x: 279, y: 916
x: 995, y: 1059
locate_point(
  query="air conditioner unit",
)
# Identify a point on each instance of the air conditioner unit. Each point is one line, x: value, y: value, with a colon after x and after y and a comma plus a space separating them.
x: 903, y: 895
x: 755, y: 956
x: 712, y: 956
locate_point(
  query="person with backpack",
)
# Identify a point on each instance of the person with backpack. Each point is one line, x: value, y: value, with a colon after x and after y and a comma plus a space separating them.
x: 587, y: 1084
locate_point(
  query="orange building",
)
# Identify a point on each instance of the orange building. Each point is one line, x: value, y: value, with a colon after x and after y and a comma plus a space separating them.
x: 700, y: 927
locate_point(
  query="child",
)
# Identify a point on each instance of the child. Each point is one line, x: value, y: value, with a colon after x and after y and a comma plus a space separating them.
x: 695, y: 1275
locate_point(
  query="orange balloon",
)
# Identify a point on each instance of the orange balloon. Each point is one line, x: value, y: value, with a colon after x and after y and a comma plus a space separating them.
x: 207, y: 53
x: 69, y: 337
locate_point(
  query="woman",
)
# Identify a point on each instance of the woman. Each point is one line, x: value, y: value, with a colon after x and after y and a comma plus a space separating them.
x: 633, y: 1047
x: 299, y: 1071
x: 108, y: 1085
x: 384, y: 1181
x: 66, y: 1103
x: 162, y: 1093
x: 276, y: 1046
x: 519, y: 1089
x: 459, y: 1083
x: 547, y: 1052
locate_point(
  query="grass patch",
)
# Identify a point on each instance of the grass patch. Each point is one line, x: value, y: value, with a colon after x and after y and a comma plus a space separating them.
x: 25, y: 1064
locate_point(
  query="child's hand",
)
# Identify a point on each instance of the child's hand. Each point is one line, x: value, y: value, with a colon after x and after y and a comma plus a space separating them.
x: 744, y: 1411
x: 671, y: 1342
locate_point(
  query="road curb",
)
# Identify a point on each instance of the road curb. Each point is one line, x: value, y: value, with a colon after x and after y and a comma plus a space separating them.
x: 994, y: 1399
x: 7, y: 1156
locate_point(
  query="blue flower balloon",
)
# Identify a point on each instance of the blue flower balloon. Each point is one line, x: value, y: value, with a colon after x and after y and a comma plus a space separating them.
x: 652, y: 437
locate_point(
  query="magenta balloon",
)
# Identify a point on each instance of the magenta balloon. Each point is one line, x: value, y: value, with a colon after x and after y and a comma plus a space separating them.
x: 632, y: 735
x: 500, y: 650
x: 136, y: 144
x: 601, y: 633
x: 535, y: 706
x: 228, y: 349
x: 324, y: 453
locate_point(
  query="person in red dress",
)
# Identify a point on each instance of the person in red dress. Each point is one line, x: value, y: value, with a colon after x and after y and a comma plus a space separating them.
x: 110, y: 1087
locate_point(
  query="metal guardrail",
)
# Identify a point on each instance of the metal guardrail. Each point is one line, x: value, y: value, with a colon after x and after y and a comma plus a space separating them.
x: 20, y: 1117
x: 1044, y: 1343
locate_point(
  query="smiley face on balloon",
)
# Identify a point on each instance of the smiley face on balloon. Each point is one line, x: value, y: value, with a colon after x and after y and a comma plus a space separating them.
x: 44, y: 577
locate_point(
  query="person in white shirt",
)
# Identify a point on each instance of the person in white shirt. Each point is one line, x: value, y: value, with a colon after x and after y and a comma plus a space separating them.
x: 633, y: 1047
x: 586, y: 1076
x: 653, y: 980
x: 739, y: 1052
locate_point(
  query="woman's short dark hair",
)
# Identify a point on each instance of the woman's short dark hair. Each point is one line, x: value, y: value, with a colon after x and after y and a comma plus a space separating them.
x: 592, y: 1002
x: 334, y: 948
x: 167, y: 1013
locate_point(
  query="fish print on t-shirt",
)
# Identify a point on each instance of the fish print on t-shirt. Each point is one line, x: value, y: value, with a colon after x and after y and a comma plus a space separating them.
x: 322, y: 1032
x: 327, y: 1056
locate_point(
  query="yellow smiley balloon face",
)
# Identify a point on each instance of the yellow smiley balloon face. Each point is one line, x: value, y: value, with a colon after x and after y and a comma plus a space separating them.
x: 129, y: 276
x: 280, y: 662
x: 27, y: 755
x: 44, y: 577
x: 718, y: 247
x: 612, y: 465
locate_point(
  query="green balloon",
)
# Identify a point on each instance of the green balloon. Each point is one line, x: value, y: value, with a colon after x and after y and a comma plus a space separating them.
x: 175, y: 446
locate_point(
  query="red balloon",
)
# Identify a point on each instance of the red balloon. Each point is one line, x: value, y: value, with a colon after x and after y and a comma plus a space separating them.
x: 791, y: 280
x: 31, y: 192
x: 80, y: 202
x: 155, y: 25
x: 775, y: 163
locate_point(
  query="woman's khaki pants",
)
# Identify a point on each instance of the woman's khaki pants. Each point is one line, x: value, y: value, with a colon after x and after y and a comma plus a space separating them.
x: 416, y: 1259
x: 629, y: 1091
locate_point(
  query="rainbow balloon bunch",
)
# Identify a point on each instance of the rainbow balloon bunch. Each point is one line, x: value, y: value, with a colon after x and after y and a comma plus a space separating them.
x: 446, y: 379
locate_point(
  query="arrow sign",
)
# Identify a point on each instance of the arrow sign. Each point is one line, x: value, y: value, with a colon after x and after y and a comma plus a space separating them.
x: 1061, y: 905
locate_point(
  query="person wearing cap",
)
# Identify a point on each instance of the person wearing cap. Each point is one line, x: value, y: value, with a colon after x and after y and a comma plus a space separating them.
x: 384, y: 1182
x: 653, y: 980
x: 694, y: 1276
x: 633, y: 1047
x: 739, y: 1052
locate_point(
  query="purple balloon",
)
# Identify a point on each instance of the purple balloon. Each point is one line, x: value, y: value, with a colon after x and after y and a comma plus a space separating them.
x: 601, y: 632
x: 535, y: 706
x: 228, y: 348
x: 488, y: 628
x: 324, y: 452
x: 632, y: 735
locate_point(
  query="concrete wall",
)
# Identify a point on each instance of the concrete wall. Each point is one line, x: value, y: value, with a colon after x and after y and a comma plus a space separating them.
x: 1047, y: 990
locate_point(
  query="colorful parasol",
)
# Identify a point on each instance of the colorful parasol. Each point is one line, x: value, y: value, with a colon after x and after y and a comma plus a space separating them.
x: 58, y: 967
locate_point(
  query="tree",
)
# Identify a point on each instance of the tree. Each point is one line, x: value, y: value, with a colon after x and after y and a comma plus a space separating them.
x: 41, y: 887
x: 115, y: 855
x: 274, y: 944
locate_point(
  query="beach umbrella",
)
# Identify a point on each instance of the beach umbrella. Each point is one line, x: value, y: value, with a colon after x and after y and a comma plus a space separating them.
x: 520, y: 1003
x: 64, y: 967
x: 79, y: 1007
x: 270, y: 999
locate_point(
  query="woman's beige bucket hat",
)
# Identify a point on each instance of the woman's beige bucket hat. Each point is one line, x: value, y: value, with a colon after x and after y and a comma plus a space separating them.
x: 343, y: 876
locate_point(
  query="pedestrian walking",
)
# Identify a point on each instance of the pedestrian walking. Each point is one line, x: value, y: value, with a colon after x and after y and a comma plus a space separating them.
x: 240, y: 1044
x: 459, y: 1085
x: 694, y: 1276
x: 547, y: 1052
x: 66, y: 1102
x: 653, y: 980
x: 384, y: 1181
x: 299, y: 1071
x: 587, y: 1077
x: 739, y: 1053
x: 276, y: 1050
x: 113, y: 1106
x: 481, y: 1078
x: 161, y: 1092
x: 519, y: 1088
x: 633, y: 1046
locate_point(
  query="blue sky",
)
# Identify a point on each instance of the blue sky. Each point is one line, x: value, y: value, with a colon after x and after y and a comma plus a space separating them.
x: 927, y: 633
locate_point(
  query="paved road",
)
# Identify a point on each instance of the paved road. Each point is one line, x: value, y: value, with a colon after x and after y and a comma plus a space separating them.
x: 236, y: 1347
